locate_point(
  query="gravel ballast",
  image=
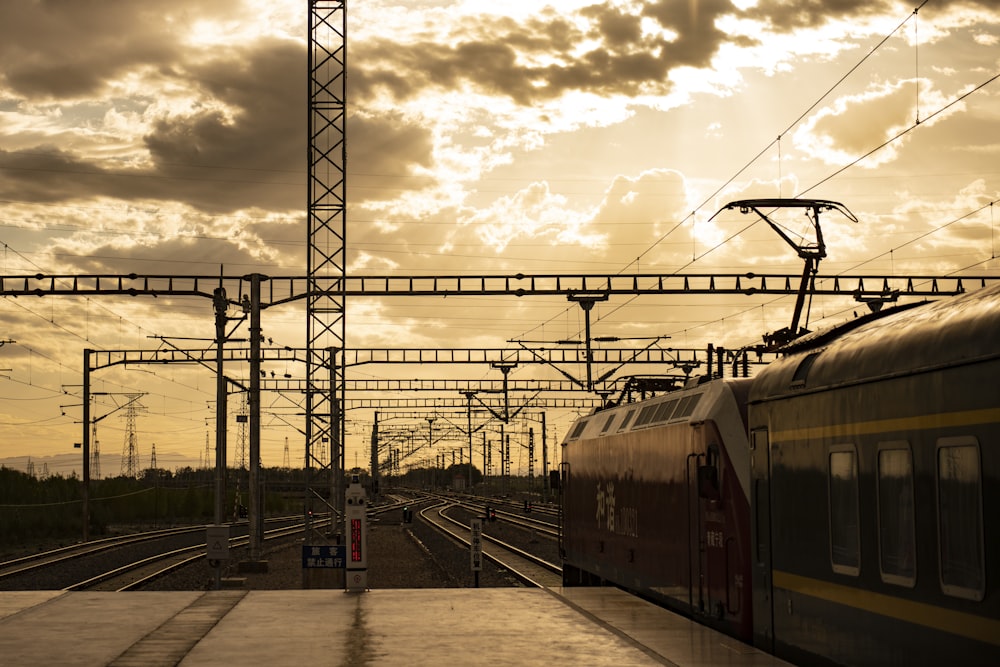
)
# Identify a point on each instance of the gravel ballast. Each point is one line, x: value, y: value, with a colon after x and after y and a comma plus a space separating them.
x: 400, y: 555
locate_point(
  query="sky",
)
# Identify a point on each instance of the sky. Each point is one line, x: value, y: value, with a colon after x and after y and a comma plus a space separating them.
x: 168, y: 137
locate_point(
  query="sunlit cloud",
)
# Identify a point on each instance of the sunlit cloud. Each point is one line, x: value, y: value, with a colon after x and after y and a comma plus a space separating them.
x: 854, y: 124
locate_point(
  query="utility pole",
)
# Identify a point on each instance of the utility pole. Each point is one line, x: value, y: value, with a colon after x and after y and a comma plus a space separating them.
x: 587, y: 303
x: 374, y: 460
x: 531, y: 459
x: 86, y: 445
x: 89, y: 431
x: 220, y: 303
x: 505, y: 367
x: 255, y: 512
x: 545, y: 463
x: 468, y: 396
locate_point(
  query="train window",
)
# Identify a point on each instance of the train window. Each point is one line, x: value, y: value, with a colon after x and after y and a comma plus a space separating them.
x: 802, y: 371
x: 607, y: 424
x: 578, y: 430
x: 665, y: 410
x: 845, y: 544
x: 960, y: 518
x: 628, y: 418
x: 896, y: 518
x: 682, y: 407
x: 646, y: 414
x: 709, y: 485
x: 687, y: 406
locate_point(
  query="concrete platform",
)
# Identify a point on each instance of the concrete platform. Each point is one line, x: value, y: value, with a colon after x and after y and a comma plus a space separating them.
x: 489, y: 626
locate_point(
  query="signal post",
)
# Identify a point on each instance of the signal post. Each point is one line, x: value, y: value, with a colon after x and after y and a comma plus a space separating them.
x: 356, y: 528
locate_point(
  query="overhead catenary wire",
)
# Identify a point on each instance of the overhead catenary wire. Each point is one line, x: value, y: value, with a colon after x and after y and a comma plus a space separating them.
x: 719, y: 189
x: 856, y: 161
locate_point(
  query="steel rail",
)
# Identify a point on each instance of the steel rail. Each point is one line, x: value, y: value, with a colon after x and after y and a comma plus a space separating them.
x: 508, y: 561
x: 177, y: 560
x: 52, y: 557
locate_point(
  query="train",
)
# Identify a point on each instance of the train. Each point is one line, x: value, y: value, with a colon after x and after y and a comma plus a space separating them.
x: 840, y: 507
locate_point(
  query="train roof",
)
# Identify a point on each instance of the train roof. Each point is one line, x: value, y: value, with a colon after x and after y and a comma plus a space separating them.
x: 694, y: 403
x: 900, y: 341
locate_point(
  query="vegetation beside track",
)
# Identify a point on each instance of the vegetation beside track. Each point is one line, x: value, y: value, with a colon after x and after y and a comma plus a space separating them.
x: 36, y: 510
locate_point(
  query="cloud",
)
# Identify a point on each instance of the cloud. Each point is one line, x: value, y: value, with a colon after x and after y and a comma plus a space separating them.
x: 856, y: 124
x: 533, y: 214
x: 389, y: 155
x: 242, y: 145
x: 64, y: 50
x: 603, y: 49
x: 791, y: 15
x: 246, y: 147
x: 638, y: 213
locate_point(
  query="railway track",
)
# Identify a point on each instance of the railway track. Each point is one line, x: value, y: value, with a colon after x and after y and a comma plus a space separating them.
x: 123, y: 563
x: 134, y: 576
x: 527, y: 567
x: 541, y: 523
x: 35, y: 562
x: 138, y: 561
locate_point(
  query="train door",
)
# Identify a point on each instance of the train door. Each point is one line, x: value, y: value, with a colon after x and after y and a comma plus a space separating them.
x: 760, y: 511
x: 564, y: 481
x: 695, y: 538
x: 715, y: 545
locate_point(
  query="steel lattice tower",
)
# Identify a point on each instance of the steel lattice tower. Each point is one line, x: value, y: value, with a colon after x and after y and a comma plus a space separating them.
x: 130, y: 449
x: 326, y: 222
x: 240, y: 460
x: 95, y: 455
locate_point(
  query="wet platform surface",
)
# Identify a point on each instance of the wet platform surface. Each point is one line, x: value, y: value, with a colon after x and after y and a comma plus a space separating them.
x: 488, y: 626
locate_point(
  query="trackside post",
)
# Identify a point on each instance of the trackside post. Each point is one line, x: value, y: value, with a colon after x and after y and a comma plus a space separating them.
x: 356, y: 527
x: 476, y: 548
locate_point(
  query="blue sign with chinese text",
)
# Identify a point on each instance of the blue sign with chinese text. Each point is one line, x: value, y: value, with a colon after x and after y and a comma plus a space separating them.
x: 324, y: 556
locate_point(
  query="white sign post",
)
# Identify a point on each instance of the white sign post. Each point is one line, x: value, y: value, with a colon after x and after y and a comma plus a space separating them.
x: 217, y: 542
x: 217, y: 549
x: 356, y: 527
x: 476, y: 548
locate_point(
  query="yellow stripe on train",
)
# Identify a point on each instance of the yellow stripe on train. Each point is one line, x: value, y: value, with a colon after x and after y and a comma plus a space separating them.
x: 960, y: 623
x: 918, y: 423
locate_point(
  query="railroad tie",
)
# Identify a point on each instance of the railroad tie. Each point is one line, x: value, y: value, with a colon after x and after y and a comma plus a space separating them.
x: 175, y: 637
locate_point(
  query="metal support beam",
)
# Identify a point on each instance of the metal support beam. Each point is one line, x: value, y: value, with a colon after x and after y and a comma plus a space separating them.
x: 287, y: 289
x: 326, y: 230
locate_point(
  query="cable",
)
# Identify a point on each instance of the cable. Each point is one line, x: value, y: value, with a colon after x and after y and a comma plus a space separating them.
x: 736, y: 175
x: 839, y: 171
